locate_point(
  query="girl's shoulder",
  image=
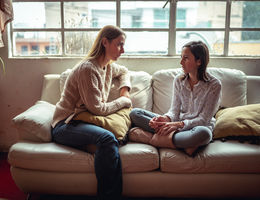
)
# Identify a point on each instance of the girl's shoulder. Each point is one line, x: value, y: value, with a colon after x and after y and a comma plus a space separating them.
x: 213, y: 80
x: 180, y: 77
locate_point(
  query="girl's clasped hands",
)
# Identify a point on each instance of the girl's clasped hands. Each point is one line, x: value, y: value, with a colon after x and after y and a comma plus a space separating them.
x: 163, y: 125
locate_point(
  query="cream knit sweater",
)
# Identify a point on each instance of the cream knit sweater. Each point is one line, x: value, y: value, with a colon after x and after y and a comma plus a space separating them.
x: 87, y: 88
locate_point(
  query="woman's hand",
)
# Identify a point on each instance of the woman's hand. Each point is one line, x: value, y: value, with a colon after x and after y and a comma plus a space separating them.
x: 125, y: 92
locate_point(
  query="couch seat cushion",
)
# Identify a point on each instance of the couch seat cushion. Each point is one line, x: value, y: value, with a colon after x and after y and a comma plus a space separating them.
x: 54, y: 157
x: 218, y: 157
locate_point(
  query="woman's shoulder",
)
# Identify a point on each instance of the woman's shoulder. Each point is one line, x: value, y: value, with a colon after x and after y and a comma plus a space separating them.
x: 116, y: 66
x: 117, y: 69
x: 85, y: 66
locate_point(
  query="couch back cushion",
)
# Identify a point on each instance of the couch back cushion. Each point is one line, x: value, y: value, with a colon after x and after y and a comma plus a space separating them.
x: 51, y: 88
x: 233, y: 87
x: 140, y: 94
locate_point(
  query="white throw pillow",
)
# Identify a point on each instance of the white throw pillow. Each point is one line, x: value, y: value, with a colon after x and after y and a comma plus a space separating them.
x: 34, y: 124
x: 162, y: 89
x: 233, y: 87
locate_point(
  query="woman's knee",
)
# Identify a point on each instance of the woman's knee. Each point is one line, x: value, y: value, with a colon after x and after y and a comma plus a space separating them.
x: 107, y: 139
x: 107, y: 148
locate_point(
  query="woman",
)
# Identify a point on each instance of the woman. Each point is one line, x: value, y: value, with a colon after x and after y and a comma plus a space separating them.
x: 196, y: 97
x: 87, y: 88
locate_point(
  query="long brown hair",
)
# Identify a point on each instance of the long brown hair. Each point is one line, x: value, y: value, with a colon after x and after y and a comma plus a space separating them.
x: 110, y: 32
x: 200, y: 52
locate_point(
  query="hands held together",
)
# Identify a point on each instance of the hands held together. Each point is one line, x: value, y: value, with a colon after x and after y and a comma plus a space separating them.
x: 163, y: 125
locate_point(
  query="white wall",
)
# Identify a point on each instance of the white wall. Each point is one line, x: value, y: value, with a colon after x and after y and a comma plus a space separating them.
x: 21, y: 86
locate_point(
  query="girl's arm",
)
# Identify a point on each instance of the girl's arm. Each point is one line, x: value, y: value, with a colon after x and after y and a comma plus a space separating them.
x: 174, y: 111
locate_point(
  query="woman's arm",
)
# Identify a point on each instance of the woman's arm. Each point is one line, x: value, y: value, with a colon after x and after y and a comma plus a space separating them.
x: 90, y: 84
x: 122, y: 74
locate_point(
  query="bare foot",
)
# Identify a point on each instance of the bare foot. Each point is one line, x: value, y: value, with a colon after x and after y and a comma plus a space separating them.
x: 139, y: 135
x: 190, y: 151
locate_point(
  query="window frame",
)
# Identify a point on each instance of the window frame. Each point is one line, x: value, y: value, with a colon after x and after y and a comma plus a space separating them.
x: 172, y: 30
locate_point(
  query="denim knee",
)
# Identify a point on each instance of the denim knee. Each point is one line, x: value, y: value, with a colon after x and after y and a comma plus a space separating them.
x: 107, y: 139
x: 134, y: 113
x: 107, y: 153
x: 205, y: 135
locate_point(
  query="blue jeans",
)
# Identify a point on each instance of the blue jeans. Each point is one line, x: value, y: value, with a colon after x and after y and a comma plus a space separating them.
x: 195, y: 137
x: 107, y: 160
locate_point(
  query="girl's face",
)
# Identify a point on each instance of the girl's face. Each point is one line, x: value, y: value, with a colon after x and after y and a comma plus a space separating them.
x: 188, y: 62
x: 115, y: 48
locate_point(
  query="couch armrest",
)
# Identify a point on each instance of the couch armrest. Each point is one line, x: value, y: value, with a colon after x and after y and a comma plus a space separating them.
x: 34, y: 124
x: 253, y: 85
x: 51, y: 88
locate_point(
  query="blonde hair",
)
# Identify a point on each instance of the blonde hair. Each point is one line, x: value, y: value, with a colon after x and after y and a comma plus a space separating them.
x: 110, y: 32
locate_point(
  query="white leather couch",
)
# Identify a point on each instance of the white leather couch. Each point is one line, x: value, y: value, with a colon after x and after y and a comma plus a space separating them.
x: 222, y: 169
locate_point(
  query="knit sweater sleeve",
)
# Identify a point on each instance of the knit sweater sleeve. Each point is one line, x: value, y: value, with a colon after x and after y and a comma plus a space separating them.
x: 122, y: 74
x: 90, y: 86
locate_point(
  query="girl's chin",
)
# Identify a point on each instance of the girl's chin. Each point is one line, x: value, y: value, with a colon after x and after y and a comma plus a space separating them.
x: 115, y: 58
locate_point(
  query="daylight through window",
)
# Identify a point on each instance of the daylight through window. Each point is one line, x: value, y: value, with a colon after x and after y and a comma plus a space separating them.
x: 68, y: 28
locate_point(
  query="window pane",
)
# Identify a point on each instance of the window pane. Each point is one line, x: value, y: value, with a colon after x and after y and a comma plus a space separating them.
x: 213, y: 39
x: 244, y: 43
x: 200, y: 14
x: 245, y: 14
x: 144, y: 14
x: 146, y: 43
x: 37, y: 43
x: 36, y: 15
x: 79, y: 43
x: 89, y: 14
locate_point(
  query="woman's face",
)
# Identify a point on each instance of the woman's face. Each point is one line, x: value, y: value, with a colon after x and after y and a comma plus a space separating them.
x: 188, y: 62
x: 115, y: 48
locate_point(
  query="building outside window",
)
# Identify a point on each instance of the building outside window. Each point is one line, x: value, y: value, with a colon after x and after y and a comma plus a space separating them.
x: 24, y: 50
x: 68, y: 28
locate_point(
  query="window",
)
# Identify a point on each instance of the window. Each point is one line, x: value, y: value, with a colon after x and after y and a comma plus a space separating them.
x: 35, y: 49
x: 68, y: 28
